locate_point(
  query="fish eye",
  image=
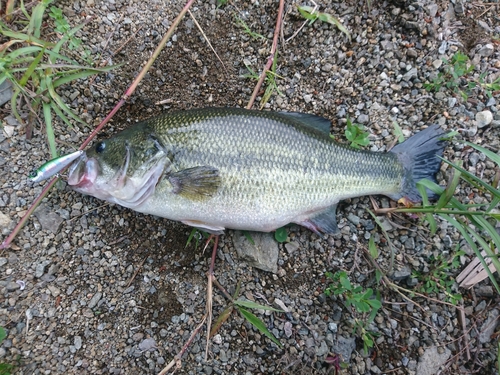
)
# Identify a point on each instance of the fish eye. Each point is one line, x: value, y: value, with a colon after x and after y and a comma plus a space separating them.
x: 100, y: 147
x: 33, y: 173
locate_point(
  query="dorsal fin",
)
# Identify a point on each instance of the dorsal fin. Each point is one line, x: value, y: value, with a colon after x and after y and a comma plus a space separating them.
x: 316, y: 122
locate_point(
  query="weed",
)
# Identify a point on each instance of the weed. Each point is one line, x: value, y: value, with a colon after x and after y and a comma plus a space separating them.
x: 198, y: 235
x: 281, y: 234
x: 36, y: 68
x: 359, y: 302
x: 222, y: 3
x: 310, y: 13
x: 242, y: 306
x: 439, y: 278
x: 455, y: 77
x: 5, y: 368
x: 247, y: 30
x: 475, y: 222
x: 355, y: 134
x: 271, y: 75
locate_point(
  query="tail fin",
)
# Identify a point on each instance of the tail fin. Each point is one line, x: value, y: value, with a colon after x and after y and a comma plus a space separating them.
x: 419, y: 156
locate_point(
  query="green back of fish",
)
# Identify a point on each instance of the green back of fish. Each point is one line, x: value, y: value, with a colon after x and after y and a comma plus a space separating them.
x: 272, y: 156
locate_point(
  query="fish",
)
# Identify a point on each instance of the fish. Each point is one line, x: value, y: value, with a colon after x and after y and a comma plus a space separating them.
x: 53, y: 167
x: 218, y: 168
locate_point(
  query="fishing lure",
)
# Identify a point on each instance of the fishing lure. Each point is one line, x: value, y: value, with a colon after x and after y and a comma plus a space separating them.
x: 54, y: 166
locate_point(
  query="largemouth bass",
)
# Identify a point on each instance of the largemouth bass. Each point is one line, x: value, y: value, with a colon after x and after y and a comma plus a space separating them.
x: 252, y: 170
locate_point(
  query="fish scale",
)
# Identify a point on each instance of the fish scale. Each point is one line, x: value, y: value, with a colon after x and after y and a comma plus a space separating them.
x: 234, y: 168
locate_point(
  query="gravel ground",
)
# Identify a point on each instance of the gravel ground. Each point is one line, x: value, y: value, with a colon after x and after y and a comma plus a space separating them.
x: 93, y: 288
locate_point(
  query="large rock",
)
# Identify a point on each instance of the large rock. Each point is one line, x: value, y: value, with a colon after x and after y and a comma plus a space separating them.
x: 432, y: 360
x: 262, y: 254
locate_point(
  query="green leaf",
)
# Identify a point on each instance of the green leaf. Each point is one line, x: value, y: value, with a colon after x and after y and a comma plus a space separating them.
x: 253, y: 305
x: 398, y: 132
x: 281, y: 234
x: 3, y: 334
x: 47, y: 114
x: 248, y: 237
x: 257, y: 323
x: 57, y: 99
x: 35, y: 25
x: 372, y: 247
x: 31, y: 69
x: 307, y: 13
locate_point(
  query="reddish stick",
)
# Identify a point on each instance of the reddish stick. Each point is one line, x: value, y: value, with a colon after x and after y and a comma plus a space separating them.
x: 262, y: 77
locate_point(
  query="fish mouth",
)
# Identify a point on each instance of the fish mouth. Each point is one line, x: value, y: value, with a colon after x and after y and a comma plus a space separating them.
x: 83, y: 174
x: 128, y: 190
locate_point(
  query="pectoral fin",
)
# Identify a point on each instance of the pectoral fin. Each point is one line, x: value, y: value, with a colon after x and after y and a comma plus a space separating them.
x: 322, y: 222
x: 195, y: 183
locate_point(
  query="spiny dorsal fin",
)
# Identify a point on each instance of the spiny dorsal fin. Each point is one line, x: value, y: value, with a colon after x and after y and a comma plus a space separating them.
x: 195, y: 183
x: 316, y: 122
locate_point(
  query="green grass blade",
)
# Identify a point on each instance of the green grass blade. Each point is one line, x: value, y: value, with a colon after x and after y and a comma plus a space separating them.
x: 398, y: 132
x: 23, y: 51
x: 31, y: 68
x: 490, y: 154
x: 463, y: 229
x: 57, y: 99
x: 35, y: 25
x: 489, y: 253
x: 66, y: 37
x: 3, y: 334
x: 63, y: 116
x: 425, y: 201
x: 13, y: 104
x: 450, y: 189
x: 47, y: 115
x: 253, y: 305
x: 257, y: 323
x: 480, y: 182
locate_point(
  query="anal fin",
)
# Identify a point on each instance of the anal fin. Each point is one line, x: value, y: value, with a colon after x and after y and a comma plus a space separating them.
x: 214, y: 229
x: 322, y: 222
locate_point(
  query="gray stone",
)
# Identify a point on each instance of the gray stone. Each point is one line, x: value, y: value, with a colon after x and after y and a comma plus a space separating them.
x: 363, y: 119
x: 486, y: 50
x: 49, y: 220
x: 353, y: 218
x: 291, y: 247
x: 437, y: 63
x: 5, y: 222
x: 40, y: 268
x: 485, y: 26
x: 262, y: 254
x: 281, y: 305
x: 402, y: 273
x: 431, y: 361
x: 410, y: 243
x: 5, y: 92
x: 489, y: 326
x: 322, y: 349
x: 3, y: 261
x: 412, y: 73
x: 483, y: 118
x: 78, y: 342
x: 147, y: 344
x: 344, y: 347
x: 491, y: 101
x: 432, y: 9
x: 93, y: 301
